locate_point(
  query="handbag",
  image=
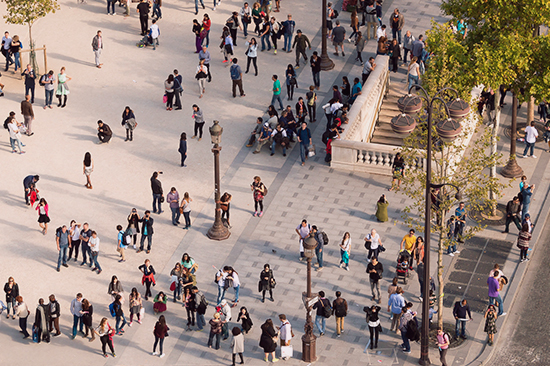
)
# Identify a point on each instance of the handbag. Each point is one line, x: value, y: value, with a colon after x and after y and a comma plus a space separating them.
x: 161, y: 200
x: 286, y: 352
x: 165, y: 98
x: 311, y: 150
x: 368, y: 244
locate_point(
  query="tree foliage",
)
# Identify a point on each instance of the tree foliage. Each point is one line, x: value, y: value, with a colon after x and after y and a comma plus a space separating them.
x: 27, y: 12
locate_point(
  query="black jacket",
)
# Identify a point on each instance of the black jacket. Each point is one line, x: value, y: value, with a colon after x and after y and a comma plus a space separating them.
x: 133, y: 219
x: 156, y: 186
x: 56, y: 309
x: 149, y: 223
x: 13, y: 293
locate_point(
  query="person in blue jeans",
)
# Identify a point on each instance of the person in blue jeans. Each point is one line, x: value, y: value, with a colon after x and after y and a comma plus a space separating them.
x: 526, y: 193
x: 406, y: 315
x: 279, y: 136
x: 289, y: 25
x: 156, y: 8
x: 156, y: 187
x: 460, y: 215
x: 265, y: 34
x: 319, y: 248
x: 63, y: 240
x: 200, y: 306
x: 460, y: 311
x: 110, y: 7
x: 276, y: 92
x: 197, y: 6
x: 320, y: 319
x: 76, y: 310
x: 146, y: 231
x: 304, y: 137
x: 119, y: 315
x: 494, y: 295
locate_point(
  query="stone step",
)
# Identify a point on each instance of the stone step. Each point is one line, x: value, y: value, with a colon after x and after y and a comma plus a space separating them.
x: 385, y: 119
x: 388, y: 112
x: 386, y: 141
x: 382, y: 126
x: 385, y: 133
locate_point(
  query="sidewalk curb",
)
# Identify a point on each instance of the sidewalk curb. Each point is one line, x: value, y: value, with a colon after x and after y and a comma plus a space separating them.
x: 486, y: 355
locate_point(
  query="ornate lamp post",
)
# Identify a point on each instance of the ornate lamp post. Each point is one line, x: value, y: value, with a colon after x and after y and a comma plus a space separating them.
x: 448, y: 129
x: 309, y: 339
x: 218, y: 231
x: 326, y: 62
x: 512, y: 169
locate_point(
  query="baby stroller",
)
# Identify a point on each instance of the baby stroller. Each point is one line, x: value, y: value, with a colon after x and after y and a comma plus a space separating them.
x: 402, y: 269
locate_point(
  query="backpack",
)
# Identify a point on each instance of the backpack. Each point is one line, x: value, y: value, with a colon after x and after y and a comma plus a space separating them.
x: 334, y: 14
x: 412, y: 330
x: 6, y: 123
x: 128, y: 236
x: 327, y: 310
x: 112, y: 309
x: 58, y: 231
x: 311, y: 99
x: 325, y: 238
x: 325, y: 137
x: 203, y: 304
x: 42, y: 81
x: 235, y: 74
x: 265, y: 189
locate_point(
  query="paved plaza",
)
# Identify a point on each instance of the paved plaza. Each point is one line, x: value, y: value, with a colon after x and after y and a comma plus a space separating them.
x: 335, y: 201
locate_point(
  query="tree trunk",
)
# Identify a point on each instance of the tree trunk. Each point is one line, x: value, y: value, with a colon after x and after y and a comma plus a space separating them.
x: 32, y: 53
x: 493, y: 171
x: 440, y: 280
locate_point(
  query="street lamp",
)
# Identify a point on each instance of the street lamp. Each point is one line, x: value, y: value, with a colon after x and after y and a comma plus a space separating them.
x: 448, y: 129
x: 512, y: 169
x: 326, y: 62
x: 309, y: 339
x: 218, y: 231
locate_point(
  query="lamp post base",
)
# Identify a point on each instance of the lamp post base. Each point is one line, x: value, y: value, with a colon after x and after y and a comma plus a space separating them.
x: 326, y: 62
x: 308, y: 347
x: 512, y: 169
x: 218, y: 232
x: 424, y: 361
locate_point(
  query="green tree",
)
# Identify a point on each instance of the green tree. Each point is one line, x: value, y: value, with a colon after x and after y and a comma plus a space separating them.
x: 27, y: 12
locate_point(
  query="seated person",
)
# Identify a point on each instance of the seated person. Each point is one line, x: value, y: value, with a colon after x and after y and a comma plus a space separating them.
x: 278, y: 136
x: 263, y: 138
x: 273, y: 119
x: 159, y: 305
x: 255, y: 132
x: 104, y: 132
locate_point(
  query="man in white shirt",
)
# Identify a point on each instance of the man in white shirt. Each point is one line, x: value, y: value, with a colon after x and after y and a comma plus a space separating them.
x: 220, y: 277
x: 154, y: 33
x: 15, y: 135
x: 279, y: 136
x: 531, y: 135
x: 94, y: 248
x: 6, y: 43
x: 285, y: 332
x: 381, y: 32
x: 375, y: 243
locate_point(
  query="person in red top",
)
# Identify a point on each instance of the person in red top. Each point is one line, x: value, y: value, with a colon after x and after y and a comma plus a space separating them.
x: 206, y: 23
x: 160, y: 332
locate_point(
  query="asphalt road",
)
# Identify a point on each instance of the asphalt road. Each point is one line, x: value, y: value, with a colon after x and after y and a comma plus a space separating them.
x: 525, y: 337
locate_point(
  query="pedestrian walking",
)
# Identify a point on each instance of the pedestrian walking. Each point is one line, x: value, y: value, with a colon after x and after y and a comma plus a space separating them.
x: 373, y: 321
x: 104, y: 133
x: 340, y: 311
x: 28, y: 114
x: 251, y: 55
x: 156, y: 187
x: 173, y: 199
x: 375, y: 270
x: 398, y: 168
x: 265, y: 33
x: 115, y: 288
x: 338, y: 37
x: 382, y: 209
x: 154, y: 33
x: 300, y: 43
x: 397, y: 21
x: 129, y: 123
x: 443, y: 342
x: 88, y: 168
x: 413, y: 73
x: 395, y: 54
x: 268, y: 340
x: 120, y: 319
x: 105, y: 334
x: 490, y: 323
x: 143, y: 10
x: 406, y: 316
x: 237, y: 343
x: 236, y: 78
x: 523, y: 242
x: 267, y: 282
x: 526, y: 194
x: 233, y: 24
x: 185, y: 209
x: 201, y: 75
x: 407, y: 45
x: 11, y: 288
x: 373, y: 244
x: 197, y: 30
x: 55, y: 311
x: 62, y: 87
x: 97, y: 45
x: 513, y: 212
x: 461, y: 215
x: 157, y: 4
x: 359, y: 47
x: 148, y: 277
x: 290, y: 82
x: 226, y: 44
x: 276, y: 92
x: 15, y: 47
x: 215, y: 330
x: 135, y: 306
x: 259, y: 190
x: 395, y: 303
x: 94, y: 250
x: 183, y: 148
x: 63, y: 241
x: 354, y: 24
x: 206, y: 23
x: 418, y: 253
x: 30, y: 81
x: 76, y: 310
x: 311, y: 98
x: 275, y: 32
x: 43, y: 216
x: 6, y: 44
x: 460, y: 311
x: 531, y: 135
x: 169, y: 92
x: 23, y: 312
x: 87, y: 318
x: 345, y: 251
x: 304, y: 137
x: 323, y: 313
x: 246, y: 321
x: 197, y: 6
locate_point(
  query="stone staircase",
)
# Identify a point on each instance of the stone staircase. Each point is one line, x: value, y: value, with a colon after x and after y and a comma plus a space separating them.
x: 383, y: 133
